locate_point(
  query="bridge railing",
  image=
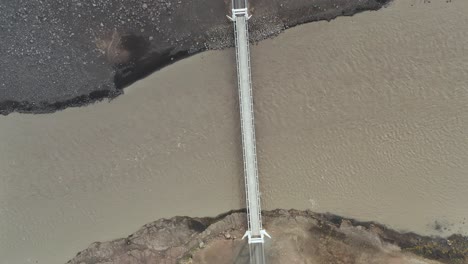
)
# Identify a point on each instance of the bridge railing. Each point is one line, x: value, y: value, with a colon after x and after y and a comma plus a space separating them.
x: 242, y: 126
x: 242, y: 22
x: 253, y: 128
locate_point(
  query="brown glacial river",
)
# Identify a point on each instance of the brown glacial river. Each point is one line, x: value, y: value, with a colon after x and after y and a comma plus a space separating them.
x: 363, y: 116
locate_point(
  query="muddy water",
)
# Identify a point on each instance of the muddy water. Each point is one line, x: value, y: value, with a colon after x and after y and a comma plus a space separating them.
x: 364, y: 116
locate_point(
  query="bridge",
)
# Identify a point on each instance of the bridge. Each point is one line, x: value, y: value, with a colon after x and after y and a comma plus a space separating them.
x: 255, y: 232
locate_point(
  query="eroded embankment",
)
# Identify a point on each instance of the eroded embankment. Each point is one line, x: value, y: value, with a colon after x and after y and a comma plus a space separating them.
x: 61, y: 54
x: 298, y: 237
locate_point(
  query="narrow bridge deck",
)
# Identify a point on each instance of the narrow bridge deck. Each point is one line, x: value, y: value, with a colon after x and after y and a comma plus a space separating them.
x: 255, y: 232
x: 248, y: 128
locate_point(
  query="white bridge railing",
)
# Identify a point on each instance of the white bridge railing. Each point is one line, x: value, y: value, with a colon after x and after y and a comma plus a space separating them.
x: 255, y: 232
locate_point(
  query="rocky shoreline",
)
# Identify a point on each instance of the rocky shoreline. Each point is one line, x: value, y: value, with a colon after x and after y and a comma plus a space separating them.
x: 60, y: 54
x: 298, y: 237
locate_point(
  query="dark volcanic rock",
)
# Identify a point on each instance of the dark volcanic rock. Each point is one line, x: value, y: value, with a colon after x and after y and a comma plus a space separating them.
x: 61, y: 53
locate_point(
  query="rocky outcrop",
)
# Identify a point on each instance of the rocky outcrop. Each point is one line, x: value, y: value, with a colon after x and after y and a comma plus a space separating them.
x: 297, y: 237
x: 57, y: 54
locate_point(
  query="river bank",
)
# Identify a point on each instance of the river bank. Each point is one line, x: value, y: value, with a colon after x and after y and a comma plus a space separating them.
x: 297, y: 237
x: 77, y: 53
